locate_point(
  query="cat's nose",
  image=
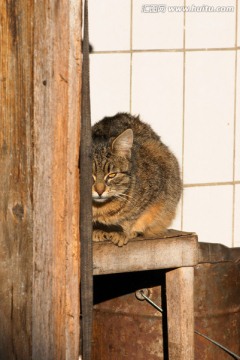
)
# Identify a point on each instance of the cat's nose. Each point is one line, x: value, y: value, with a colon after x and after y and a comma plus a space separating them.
x: 100, y: 188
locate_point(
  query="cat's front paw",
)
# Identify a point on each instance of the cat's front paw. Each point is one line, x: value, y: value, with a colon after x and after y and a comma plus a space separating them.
x: 99, y: 235
x: 118, y: 238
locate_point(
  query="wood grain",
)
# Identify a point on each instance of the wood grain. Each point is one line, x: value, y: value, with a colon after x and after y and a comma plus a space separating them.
x: 40, y: 72
x: 16, y: 181
x: 176, y: 249
x: 56, y: 194
x: 180, y: 313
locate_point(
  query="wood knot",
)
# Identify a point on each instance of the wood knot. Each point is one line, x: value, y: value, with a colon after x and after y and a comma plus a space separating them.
x: 18, y: 211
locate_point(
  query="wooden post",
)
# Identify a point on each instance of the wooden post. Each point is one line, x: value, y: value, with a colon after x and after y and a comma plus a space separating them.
x: 16, y: 181
x: 180, y: 313
x: 86, y: 201
x: 39, y: 209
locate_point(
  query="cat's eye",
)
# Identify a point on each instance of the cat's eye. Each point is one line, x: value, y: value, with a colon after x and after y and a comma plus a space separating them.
x: 111, y: 175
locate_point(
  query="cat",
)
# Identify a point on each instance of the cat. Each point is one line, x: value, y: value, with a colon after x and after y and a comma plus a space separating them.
x: 136, y: 180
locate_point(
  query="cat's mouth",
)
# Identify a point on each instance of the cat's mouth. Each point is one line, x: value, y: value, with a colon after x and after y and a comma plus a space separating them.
x: 100, y: 199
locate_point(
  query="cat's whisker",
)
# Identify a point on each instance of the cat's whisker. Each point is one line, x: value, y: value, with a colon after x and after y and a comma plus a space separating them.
x: 134, y: 205
x: 125, y: 195
x: 120, y: 197
x: 122, y: 194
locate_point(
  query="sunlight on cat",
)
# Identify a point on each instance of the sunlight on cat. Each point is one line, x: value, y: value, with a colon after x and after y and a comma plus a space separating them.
x: 136, y: 183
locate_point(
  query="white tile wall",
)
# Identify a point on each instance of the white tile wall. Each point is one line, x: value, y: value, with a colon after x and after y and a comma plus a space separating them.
x: 157, y: 30
x: 238, y: 30
x: 109, y: 24
x: 209, y: 117
x: 188, y: 98
x: 208, y: 212
x: 210, y: 29
x: 177, y: 222
x: 237, y: 217
x: 237, y: 160
x: 110, y: 84
x: 157, y: 84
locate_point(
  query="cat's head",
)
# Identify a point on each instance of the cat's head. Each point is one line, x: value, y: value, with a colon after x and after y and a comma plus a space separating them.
x: 111, y: 167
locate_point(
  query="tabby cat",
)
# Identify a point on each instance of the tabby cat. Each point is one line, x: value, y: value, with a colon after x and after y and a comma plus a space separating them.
x: 136, y: 180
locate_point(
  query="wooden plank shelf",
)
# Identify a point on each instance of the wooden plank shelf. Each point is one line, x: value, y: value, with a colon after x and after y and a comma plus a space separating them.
x: 178, y: 253
x: 173, y: 250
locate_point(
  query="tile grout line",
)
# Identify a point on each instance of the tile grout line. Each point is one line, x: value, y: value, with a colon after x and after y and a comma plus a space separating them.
x: 183, y: 112
x: 224, y: 183
x: 132, y: 51
x: 235, y: 125
x: 131, y: 55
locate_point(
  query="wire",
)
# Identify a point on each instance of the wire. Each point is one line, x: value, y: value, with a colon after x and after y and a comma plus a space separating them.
x: 237, y: 357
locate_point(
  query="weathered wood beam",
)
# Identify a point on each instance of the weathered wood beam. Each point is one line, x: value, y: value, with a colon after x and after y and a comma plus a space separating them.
x: 57, y: 76
x: 174, y: 250
x: 16, y: 180
x: 40, y: 80
x: 180, y: 313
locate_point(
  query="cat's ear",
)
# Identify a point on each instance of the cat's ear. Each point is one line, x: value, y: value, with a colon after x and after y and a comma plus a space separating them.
x: 122, y: 145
